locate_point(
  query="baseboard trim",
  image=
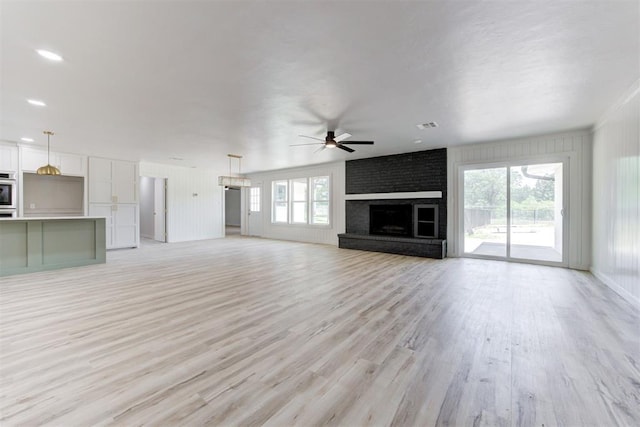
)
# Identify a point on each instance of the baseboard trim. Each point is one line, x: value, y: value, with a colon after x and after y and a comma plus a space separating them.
x: 610, y: 283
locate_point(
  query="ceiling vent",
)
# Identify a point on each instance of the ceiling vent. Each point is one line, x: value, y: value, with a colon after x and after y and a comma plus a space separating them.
x: 427, y: 125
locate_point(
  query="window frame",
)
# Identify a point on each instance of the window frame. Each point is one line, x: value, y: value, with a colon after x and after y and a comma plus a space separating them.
x: 293, y: 201
x: 313, y: 200
x: 255, y: 199
x: 274, y: 202
x: 309, y: 180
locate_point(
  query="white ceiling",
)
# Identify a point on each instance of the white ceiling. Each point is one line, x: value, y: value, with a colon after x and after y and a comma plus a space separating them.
x: 148, y: 80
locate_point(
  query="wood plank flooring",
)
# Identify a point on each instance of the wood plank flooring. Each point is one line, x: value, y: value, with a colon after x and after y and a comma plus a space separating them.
x: 244, y: 331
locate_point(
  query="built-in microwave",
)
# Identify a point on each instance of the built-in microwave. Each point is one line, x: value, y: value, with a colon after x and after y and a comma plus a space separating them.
x: 8, y: 191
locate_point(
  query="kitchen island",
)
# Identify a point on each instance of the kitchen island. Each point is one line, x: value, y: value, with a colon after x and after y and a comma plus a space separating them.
x: 48, y: 243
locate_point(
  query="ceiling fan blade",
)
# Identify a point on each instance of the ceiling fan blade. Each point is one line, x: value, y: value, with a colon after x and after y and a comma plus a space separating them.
x: 342, y: 147
x: 342, y: 137
x: 320, y: 149
x: 358, y: 142
x: 311, y: 137
x: 311, y: 143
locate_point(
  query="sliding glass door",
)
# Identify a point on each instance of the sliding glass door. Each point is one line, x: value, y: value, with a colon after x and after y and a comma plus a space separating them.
x: 485, y: 212
x: 514, y: 212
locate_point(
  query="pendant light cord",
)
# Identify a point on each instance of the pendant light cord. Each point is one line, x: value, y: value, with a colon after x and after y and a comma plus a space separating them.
x: 48, y: 133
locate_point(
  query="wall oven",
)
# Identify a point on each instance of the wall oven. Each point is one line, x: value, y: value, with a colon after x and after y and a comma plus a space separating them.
x: 8, y: 213
x: 8, y: 191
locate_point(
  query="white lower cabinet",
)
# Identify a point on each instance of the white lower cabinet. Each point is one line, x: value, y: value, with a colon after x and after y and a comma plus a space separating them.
x: 121, y: 224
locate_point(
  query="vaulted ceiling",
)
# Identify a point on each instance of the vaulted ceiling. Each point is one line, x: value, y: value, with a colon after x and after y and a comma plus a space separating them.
x: 155, y: 81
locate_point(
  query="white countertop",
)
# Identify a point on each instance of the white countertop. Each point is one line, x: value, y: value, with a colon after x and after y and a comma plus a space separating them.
x: 49, y: 218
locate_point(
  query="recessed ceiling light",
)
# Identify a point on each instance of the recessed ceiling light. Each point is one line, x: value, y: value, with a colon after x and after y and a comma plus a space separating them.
x: 36, y: 102
x: 49, y: 55
x: 176, y: 158
x: 25, y: 139
x: 417, y: 141
x: 427, y: 125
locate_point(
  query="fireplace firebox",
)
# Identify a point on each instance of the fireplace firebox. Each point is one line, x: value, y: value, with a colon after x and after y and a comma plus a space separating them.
x: 391, y: 220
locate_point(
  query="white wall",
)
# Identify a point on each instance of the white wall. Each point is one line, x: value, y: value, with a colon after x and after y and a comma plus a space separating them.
x: 194, y: 201
x: 305, y: 233
x: 146, y: 206
x: 575, y: 146
x: 232, y: 215
x: 53, y: 195
x: 616, y: 197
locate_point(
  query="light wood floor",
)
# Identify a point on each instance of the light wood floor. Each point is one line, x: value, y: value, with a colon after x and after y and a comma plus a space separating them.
x: 244, y: 331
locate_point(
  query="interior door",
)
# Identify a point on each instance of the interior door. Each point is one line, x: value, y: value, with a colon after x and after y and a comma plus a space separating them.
x: 254, y: 212
x: 160, y: 210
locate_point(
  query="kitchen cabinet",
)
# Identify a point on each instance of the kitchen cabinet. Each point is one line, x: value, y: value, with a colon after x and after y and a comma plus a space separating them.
x: 8, y: 158
x: 112, y: 181
x: 113, y: 193
x: 69, y: 164
x: 121, y: 225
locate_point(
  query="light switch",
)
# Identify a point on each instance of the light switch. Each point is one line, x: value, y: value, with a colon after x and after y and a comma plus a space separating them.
x: 32, y: 206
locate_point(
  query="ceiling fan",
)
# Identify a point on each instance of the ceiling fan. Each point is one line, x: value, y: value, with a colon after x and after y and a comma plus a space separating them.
x: 333, y: 141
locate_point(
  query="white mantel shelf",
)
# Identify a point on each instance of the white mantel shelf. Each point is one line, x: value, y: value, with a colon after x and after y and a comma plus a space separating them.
x: 391, y: 196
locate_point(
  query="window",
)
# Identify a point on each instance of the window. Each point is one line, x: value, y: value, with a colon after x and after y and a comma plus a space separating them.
x: 280, y: 201
x: 320, y: 200
x: 254, y: 199
x: 302, y: 201
x: 299, y: 206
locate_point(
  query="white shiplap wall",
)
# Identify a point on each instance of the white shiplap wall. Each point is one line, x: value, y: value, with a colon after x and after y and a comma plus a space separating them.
x: 189, y: 216
x: 302, y: 233
x: 575, y: 146
x: 616, y: 197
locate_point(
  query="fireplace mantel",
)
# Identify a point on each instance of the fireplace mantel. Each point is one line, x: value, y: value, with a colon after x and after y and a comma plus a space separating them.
x: 392, y: 196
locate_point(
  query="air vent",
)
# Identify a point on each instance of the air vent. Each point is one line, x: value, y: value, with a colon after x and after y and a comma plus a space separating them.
x: 427, y: 125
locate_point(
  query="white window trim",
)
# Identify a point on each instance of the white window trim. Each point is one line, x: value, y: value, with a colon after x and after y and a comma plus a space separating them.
x: 309, y: 202
x: 274, y: 201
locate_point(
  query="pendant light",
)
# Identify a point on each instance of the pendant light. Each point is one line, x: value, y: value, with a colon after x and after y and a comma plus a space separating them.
x: 234, y: 181
x: 48, y: 169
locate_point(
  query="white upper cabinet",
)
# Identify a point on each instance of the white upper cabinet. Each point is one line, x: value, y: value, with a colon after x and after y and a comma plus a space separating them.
x: 69, y: 164
x: 125, y: 182
x: 32, y: 159
x: 100, y: 182
x: 72, y: 164
x: 8, y: 158
x: 112, y: 181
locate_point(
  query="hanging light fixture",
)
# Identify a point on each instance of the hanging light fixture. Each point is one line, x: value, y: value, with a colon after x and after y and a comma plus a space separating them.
x: 234, y: 181
x: 48, y: 169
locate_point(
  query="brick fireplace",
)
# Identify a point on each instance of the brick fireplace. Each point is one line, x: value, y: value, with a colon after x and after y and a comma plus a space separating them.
x: 397, y: 204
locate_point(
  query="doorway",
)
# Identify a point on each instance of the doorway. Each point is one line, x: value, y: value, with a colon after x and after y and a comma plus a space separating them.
x: 232, y: 209
x: 153, y: 209
x: 515, y: 212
